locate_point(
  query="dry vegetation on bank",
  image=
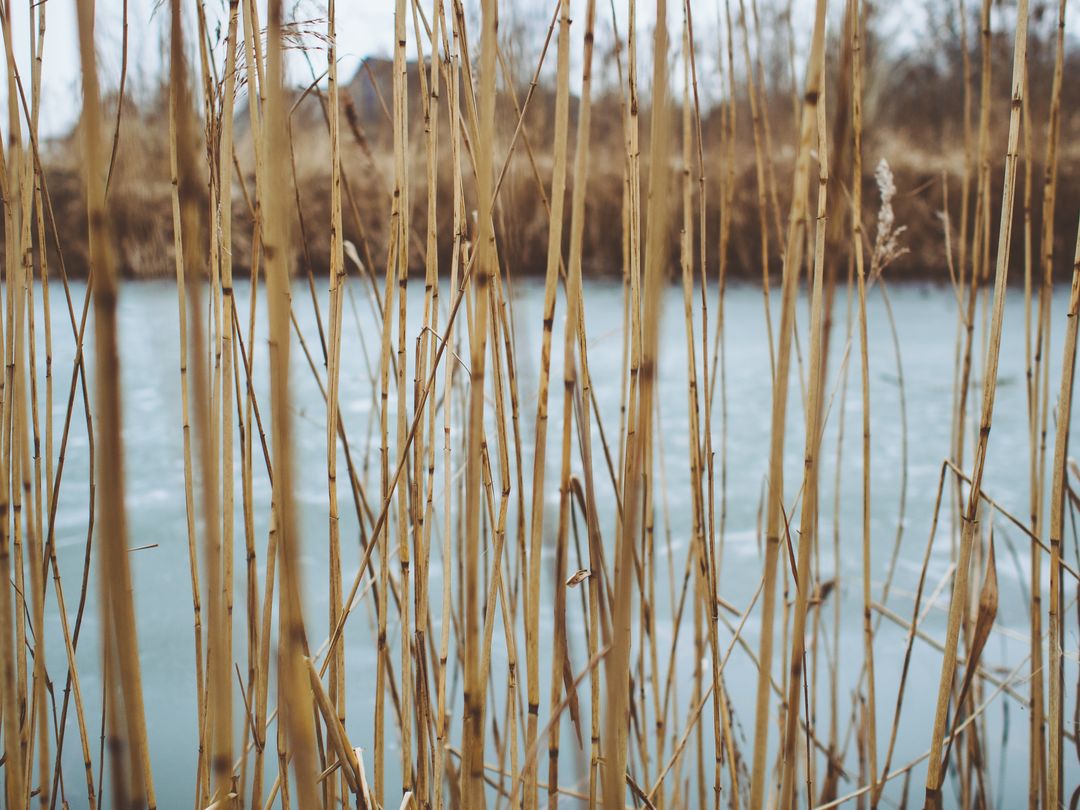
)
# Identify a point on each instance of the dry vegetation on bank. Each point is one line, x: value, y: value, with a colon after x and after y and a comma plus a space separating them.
x: 915, y: 121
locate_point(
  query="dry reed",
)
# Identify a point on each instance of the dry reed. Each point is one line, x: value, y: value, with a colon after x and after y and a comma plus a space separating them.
x: 514, y: 606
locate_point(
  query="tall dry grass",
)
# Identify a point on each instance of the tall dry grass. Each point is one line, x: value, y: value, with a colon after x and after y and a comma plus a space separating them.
x: 451, y: 482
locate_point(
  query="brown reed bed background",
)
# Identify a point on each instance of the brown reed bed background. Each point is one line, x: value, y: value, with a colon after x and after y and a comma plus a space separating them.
x: 915, y: 118
x: 465, y: 186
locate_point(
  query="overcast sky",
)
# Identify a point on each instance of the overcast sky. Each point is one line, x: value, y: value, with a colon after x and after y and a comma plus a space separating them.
x: 365, y: 27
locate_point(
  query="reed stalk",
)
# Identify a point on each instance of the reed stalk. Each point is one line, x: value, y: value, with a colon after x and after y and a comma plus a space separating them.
x: 635, y: 494
x: 462, y: 567
x: 1055, y: 758
x: 855, y: 19
x: 474, y: 689
x: 536, y: 524
x: 293, y: 687
x: 807, y: 535
x: 792, y: 265
x: 127, y: 726
x: 574, y: 317
x: 1037, y: 735
x: 935, y: 768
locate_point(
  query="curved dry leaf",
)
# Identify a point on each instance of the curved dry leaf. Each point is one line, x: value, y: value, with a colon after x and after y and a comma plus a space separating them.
x: 577, y: 578
x: 984, y: 623
x: 352, y: 255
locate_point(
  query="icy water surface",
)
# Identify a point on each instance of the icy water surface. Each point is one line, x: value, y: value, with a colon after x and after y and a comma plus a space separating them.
x: 926, y: 326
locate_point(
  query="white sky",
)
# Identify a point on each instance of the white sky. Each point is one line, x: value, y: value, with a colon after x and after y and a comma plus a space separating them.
x: 365, y: 27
